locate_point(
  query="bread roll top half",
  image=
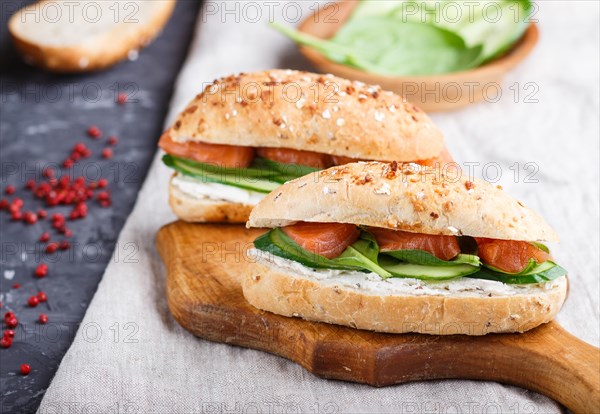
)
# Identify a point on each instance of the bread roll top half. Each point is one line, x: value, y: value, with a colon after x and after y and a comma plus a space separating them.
x: 310, y: 112
x: 404, y: 197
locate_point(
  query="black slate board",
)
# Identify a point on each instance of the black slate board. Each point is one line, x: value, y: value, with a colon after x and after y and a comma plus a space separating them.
x: 37, y: 128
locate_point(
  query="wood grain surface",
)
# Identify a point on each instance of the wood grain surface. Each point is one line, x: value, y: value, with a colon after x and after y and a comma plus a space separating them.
x: 205, y: 262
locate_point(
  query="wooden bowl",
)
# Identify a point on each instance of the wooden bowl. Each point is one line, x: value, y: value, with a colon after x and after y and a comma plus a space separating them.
x: 432, y: 93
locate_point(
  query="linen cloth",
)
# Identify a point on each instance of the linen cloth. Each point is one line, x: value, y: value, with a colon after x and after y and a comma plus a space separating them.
x: 155, y: 366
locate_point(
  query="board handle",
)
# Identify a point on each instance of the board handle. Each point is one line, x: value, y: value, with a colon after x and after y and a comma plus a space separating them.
x: 559, y: 365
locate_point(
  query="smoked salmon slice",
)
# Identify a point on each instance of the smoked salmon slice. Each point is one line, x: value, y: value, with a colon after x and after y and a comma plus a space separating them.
x: 442, y: 247
x: 439, y: 161
x: 341, y: 160
x: 509, y: 255
x: 325, y: 239
x: 290, y: 156
x: 228, y: 156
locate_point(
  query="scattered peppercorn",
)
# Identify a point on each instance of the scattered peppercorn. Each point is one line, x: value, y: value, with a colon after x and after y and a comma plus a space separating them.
x: 5, y: 342
x: 43, y: 318
x: 122, y: 99
x: 25, y: 369
x: 33, y: 301
x: 12, y: 322
x: 42, y: 297
x: 30, y: 217
x: 41, y: 270
x: 94, y: 132
x: 48, y: 172
x: 16, y: 285
x: 112, y: 140
x: 51, y: 247
x: 107, y: 153
x: 10, y: 189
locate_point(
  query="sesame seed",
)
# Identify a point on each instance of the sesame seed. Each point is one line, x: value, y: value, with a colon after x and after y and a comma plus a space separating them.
x: 384, y: 189
x: 326, y: 114
x: 392, y: 108
x: 362, y: 97
x: 379, y: 116
x: 300, y: 103
x: 340, y: 122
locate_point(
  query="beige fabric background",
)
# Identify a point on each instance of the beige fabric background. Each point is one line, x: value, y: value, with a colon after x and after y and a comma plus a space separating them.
x: 156, y: 366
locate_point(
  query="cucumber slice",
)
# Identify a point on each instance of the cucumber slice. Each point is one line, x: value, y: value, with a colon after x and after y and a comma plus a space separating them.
x: 540, y: 268
x: 427, y: 272
x: 199, y: 167
x: 254, y: 184
x: 421, y: 257
x: 532, y: 268
x: 547, y: 271
x: 284, y: 172
x: 193, y: 169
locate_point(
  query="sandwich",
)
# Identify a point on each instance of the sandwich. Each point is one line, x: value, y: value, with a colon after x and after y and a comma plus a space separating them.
x: 401, y: 248
x: 245, y: 135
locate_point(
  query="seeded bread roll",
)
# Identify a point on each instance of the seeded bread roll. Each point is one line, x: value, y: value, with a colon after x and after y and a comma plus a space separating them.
x: 464, y: 306
x: 310, y: 112
x: 205, y: 210
x: 402, y: 197
x: 63, y: 36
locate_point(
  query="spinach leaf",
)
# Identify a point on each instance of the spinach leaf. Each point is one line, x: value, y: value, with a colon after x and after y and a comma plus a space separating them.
x: 280, y: 244
x: 495, y: 25
x: 386, y: 46
x: 363, y: 253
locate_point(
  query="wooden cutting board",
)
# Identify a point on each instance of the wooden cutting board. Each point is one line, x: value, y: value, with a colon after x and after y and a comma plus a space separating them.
x: 205, y: 263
